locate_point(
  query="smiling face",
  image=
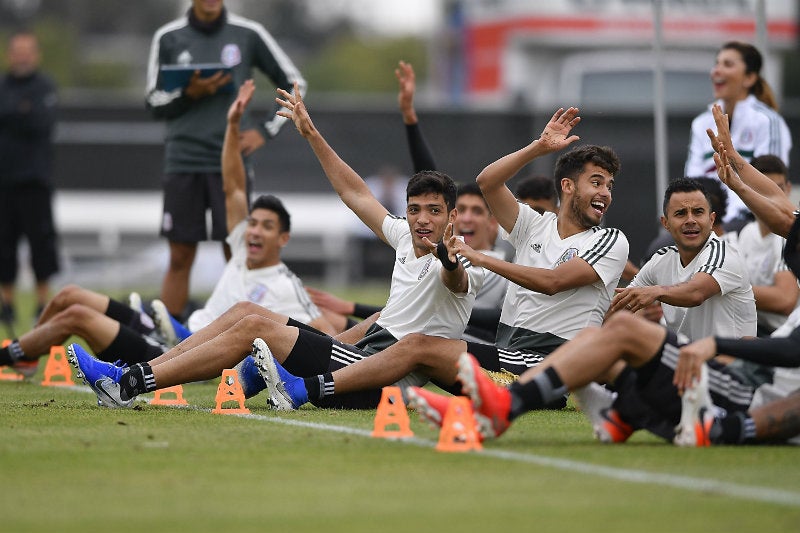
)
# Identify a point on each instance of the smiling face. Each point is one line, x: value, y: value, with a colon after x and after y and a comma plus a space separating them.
x: 729, y: 77
x: 588, y: 197
x: 427, y: 217
x: 474, y: 221
x: 688, y: 218
x: 264, y: 238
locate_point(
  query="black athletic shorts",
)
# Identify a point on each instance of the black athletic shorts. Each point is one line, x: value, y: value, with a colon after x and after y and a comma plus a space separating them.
x: 187, y: 197
x: 654, y: 381
x: 27, y: 211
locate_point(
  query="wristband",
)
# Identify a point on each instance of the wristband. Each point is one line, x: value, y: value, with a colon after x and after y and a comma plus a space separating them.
x: 441, y: 253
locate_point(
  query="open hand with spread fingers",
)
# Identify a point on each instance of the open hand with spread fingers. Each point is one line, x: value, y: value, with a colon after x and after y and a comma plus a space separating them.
x: 556, y: 134
x: 295, y: 109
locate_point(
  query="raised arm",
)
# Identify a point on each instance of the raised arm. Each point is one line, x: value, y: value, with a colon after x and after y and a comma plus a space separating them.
x: 346, y: 182
x: 492, y: 180
x: 234, y: 182
x: 759, y: 193
x: 421, y: 155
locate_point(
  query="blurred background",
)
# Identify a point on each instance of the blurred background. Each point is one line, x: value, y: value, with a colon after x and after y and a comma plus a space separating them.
x: 490, y: 73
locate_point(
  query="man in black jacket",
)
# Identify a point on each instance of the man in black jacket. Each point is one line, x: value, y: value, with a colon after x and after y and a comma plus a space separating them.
x: 207, y: 35
x: 27, y: 117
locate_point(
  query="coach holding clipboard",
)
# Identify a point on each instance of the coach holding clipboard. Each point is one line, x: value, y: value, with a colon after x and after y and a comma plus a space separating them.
x: 195, y: 64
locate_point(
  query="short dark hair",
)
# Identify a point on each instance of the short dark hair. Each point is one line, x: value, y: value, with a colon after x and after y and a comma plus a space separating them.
x: 536, y: 188
x: 717, y: 196
x: 432, y: 181
x: 272, y: 203
x: 770, y: 164
x: 685, y: 185
x: 570, y: 164
x: 471, y: 187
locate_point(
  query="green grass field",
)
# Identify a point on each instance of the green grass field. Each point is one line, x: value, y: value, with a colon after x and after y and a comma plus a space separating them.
x: 68, y: 465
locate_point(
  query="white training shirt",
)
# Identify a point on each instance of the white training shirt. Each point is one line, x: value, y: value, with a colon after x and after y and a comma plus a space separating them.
x: 275, y: 287
x: 539, y: 245
x: 418, y: 300
x: 757, y: 129
x: 730, y: 313
x: 493, y: 291
x: 763, y: 257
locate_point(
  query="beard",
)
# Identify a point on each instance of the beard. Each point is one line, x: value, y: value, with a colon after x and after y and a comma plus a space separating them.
x: 578, y: 210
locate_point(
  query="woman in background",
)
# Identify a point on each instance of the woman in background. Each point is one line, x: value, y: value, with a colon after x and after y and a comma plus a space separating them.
x: 755, y: 124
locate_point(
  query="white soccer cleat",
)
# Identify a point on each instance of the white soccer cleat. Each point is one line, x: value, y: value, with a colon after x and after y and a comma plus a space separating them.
x: 697, y: 414
x: 163, y: 323
x: 596, y: 403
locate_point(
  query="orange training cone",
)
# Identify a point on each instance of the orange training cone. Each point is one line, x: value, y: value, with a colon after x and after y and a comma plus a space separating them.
x: 230, y: 390
x: 459, y: 432
x: 6, y: 372
x: 57, y: 367
x: 392, y: 412
x: 177, y: 390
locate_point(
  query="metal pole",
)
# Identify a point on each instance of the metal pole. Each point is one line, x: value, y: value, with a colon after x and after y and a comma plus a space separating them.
x: 659, y: 106
x: 761, y: 27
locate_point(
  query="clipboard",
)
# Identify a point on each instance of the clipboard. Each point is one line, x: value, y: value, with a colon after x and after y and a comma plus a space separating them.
x: 177, y: 76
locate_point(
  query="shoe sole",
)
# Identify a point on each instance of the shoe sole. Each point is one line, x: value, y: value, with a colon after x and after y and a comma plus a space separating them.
x: 692, y: 430
x: 135, y: 302
x: 265, y: 363
x: 163, y: 322
x: 421, y: 406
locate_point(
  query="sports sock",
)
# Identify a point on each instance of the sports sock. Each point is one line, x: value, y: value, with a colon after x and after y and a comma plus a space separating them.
x: 736, y: 428
x: 123, y: 314
x: 542, y: 390
x: 137, y: 380
x: 11, y: 353
x: 319, y: 386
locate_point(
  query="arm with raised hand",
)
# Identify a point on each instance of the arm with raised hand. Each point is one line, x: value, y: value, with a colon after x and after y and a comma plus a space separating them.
x: 350, y: 187
x: 234, y: 182
x: 492, y: 179
x: 421, y: 155
x: 759, y: 193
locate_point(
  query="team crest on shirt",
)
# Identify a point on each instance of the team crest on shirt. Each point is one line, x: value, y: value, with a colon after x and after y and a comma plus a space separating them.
x: 425, y: 269
x: 537, y: 247
x: 231, y: 55
x: 747, y: 136
x: 257, y: 293
x: 184, y: 58
x: 566, y: 256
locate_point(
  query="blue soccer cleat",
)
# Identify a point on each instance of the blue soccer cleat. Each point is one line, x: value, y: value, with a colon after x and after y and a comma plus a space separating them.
x: 249, y: 377
x: 102, y: 377
x: 286, y: 391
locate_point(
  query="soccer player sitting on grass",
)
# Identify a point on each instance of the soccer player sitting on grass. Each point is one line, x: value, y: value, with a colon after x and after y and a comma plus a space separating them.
x: 475, y: 223
x: 566, y: 272
x: 665, y: 365
x: 432, y: 291
x: 254, y: 274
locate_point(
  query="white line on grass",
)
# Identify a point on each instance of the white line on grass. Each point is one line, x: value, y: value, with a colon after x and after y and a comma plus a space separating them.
x: 747, y: 492
x: 693, y: 484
